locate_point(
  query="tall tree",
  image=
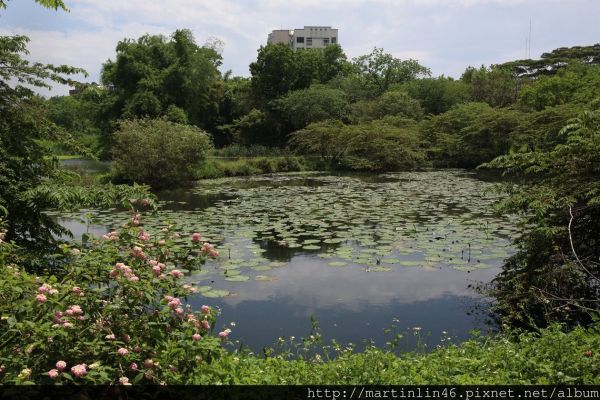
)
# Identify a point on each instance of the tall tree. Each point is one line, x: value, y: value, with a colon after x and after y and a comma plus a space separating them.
x: 381, y: 70
x: 154, y: 74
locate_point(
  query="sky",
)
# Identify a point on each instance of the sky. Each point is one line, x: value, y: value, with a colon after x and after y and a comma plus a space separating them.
x: 445, y: 35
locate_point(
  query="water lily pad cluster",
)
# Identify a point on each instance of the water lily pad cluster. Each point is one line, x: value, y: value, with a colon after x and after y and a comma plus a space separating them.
x: 429, y: 220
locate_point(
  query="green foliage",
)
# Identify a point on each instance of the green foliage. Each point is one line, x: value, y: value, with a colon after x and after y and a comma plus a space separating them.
x: 257, y: 127
x: 556, y: 274
x: 219, y: 168
x: 380, y: 70
x: 278, y: 69
x: 54, y: 4
x: 550, y: 357
x: 255, y: 150
x: 438, y: 95
x: 153, y: 74
x: 317, y: 103
x: 391, y: 103
x: 387, y: 144
x: 23, y: 162
x: 112, y: 314
x: 551, y: 63
x: 158, y: 152
x: 576, y: 83
x: 470, y: 134
x: 496, y: 86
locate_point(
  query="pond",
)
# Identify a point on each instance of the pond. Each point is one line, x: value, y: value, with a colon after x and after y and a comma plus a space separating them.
x: 359, y: 253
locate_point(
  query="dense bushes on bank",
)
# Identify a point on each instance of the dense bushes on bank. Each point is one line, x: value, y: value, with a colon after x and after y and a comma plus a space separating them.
x: 158, y: 152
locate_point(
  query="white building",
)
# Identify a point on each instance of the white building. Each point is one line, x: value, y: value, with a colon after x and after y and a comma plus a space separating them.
x: 309, y: 37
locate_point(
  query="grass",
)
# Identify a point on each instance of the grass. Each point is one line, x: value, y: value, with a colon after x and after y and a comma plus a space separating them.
x: 550, y: 357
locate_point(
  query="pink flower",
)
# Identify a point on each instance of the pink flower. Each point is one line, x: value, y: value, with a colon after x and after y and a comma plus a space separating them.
x: 70, y: 312
x: 40, y: 298
x: 196, y: 237
x: 124, y: 381
x: 61, y: 365
x: 76, y: 309
x: 174, y: 303
x: 110, y: 337
x: 156, y: 270
x: 44, y: 288
x: 114, y: 273
x: 205, y: 309
x: 205, y: 324
x: 196, y: 337
x: 179, y: 311
x: 153, y: 262
x: 162, y: 242
x: 67, y: 325
x: 126, y: 338
x: 176, y: 273
x: 122, y: 351
x: 77, y: 291
x: 137, y: 252
x: 144, y: 236
x: 145, y: 202
x: 213, y: 253
x: 133, y: 367
x: 133, y: 278
x: 225, y: 333
x: 79, y: 370
x: 53, y: 373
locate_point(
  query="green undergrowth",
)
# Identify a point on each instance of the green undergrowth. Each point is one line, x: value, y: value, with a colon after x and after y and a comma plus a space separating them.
x: 222, y: 167
x: 549, y: 357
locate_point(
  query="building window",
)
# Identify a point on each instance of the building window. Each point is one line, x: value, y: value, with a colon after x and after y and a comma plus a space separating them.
x: 309, y: 41
x: 326, y: 41
x: 300, y: 39
x: 333, y: 40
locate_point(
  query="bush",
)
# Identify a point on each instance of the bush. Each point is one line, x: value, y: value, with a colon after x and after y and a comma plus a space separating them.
x: 114, y: 313
x: 158, y: 152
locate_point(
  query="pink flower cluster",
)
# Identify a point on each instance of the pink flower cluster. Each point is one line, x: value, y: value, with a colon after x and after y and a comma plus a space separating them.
x: 138, y: 252
x: 77, y: 291
x: 190, y: 288
x: 135, y: 220
x: 62, y: 318
x: 175, y: 304
x: 196, y: 237
x: 79, y: 370
x: 176, y: 274
x: 225, y: 333
x: 157, y: 268
x: 125, y: 270
x: 144, y: 236
x: 208, y: 248
x: 45, y: 288
x: 113, y: 235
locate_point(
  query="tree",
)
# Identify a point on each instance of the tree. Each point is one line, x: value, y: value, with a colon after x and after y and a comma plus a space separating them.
x: 153, y: 74
x: 555, y: 276
x: 388, y: 144
x: 438, y: 95
x: 317, y: 103
x: 54, y: 4
x: 381, y: 70
x: 23, y: 162
x: 279, y: 70
x: 391, y: 103
x: 470, y: 134
x: 496, y: 86
x: 275, y: 72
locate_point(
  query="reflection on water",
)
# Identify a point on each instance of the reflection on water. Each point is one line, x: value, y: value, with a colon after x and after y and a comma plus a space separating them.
x: 355, y: 252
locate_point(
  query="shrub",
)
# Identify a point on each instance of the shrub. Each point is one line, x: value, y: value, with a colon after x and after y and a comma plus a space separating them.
x: 158, y: 152
x: 115, y: 313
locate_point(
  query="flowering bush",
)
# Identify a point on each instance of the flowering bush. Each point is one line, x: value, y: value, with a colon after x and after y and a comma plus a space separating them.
x: 116, y: 313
